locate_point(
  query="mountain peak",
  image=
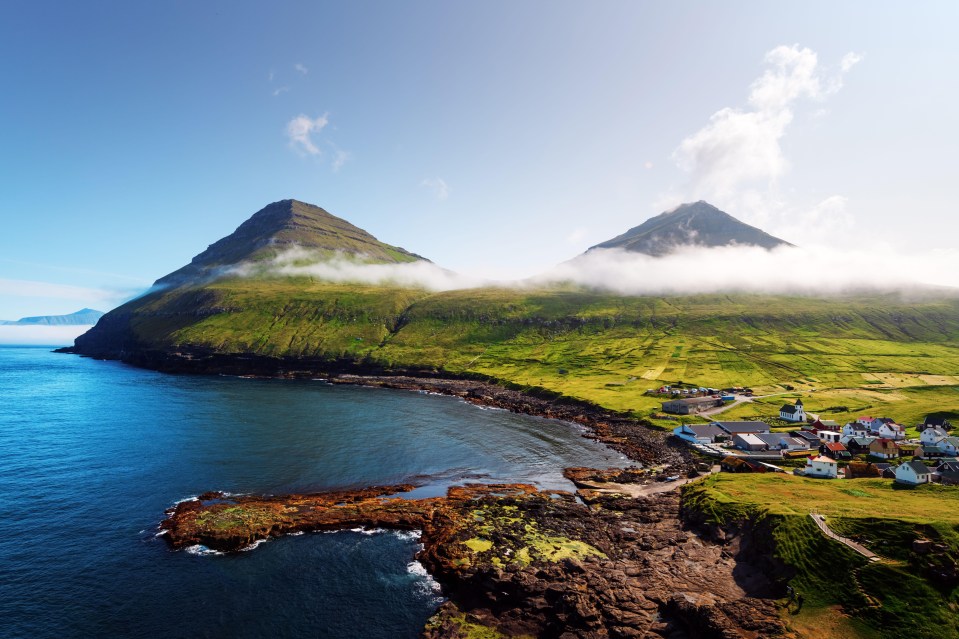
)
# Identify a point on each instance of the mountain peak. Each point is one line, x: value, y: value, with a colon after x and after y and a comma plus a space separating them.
x: 690, y: 224
x: 283, y: 225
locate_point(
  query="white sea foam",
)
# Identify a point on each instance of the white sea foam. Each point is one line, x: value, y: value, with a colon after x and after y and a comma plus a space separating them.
x: 202, y: 551
x: 254, y: 545
x: 425, y: 584
x: 409, y: 535
x: 367, y: 531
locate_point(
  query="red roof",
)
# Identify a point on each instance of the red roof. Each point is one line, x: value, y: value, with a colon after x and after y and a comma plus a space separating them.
x: 835, y: 446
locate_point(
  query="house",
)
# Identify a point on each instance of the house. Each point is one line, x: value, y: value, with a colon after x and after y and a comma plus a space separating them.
x: 932, y: 435
x: 947, y: 473
x: 935, y: 422
x: 892, y: 430
x: 888, y: 470
x: 858, y: 445
x: 884, y: 449
x: 734, y: 464
x: 749, y: 441
x: 949, y: 446
x: 691, y: 405
x: 736, y: 428
x: 861, y: 470
x: 823, y: 467
x: 811, y: 438
x: 825, y: 424
x: 865, y: 421
x: 701, y: 433
x: 793, y: 412
x: 836, y: 451
x: 854, y: 429
x: 914, y: 473
x: 829, y: 436
x: 929, y: 451
x: 793, y: 444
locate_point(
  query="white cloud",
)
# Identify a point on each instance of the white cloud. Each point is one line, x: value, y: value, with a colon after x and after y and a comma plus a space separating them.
x: 280, y: 90
x: 300, y: 131
x: 301, y: 68
x: 813, y: 271
x: 799, y: 271
x: 576, y: 236
x: 736, y: 160
x: 30, y: 288
x: 438, y: 186
x: 850, y: 60
x: 41, y: 335
x: 340, y: 157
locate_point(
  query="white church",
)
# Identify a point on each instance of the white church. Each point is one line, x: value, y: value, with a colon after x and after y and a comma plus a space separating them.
x: 793, y: 412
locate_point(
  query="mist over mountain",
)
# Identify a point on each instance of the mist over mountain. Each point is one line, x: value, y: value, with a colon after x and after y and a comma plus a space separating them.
x: 284, y: 225
x: 696, y: 224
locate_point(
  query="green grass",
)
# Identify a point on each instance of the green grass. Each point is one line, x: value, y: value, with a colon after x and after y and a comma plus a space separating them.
x: 883, y: 599
x: 844, y: 357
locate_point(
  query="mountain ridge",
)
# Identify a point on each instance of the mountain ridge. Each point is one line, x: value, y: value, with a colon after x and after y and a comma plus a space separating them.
x: 690, y: 224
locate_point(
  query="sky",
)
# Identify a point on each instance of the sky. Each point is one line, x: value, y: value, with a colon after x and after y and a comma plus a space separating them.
x: 498, y: 139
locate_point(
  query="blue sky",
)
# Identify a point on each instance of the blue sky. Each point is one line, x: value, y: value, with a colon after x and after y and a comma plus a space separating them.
x: 497, y: 138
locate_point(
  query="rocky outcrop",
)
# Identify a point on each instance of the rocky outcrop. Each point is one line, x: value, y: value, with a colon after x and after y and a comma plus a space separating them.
x: 515, y: 561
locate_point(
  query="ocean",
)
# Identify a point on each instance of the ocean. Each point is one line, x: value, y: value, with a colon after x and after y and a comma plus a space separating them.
x: 93, y: 452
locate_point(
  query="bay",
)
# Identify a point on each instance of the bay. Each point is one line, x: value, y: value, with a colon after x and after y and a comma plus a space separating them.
x: 92, y: 452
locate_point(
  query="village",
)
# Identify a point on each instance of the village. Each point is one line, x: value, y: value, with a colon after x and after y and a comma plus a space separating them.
x: 814, y: 447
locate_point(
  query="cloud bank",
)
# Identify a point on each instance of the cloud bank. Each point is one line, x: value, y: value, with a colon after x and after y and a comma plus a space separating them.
x: 786, y: 270
x: 41, y: 335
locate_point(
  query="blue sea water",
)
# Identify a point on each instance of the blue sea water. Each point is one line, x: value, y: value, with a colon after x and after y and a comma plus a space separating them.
x: 91, y: 453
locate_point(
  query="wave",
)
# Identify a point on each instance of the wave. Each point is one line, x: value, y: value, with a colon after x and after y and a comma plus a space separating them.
x: 202, y: 551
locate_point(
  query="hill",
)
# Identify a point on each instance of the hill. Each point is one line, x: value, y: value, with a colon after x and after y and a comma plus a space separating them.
x: 83, y: 317
x: 693, y: 224
x: 880, y: 352
x: 283, y: 225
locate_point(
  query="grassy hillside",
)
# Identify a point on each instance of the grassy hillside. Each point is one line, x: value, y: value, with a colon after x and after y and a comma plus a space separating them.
x: 845, y: 595
x: 878, y: 354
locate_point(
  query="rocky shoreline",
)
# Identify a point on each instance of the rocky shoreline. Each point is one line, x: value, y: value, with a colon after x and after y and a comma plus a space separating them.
x: 515, y: 561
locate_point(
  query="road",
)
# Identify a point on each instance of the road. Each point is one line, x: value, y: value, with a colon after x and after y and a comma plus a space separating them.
x: 862, y: 550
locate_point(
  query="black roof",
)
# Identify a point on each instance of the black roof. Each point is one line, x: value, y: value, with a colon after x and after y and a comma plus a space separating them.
x: 744, y: 427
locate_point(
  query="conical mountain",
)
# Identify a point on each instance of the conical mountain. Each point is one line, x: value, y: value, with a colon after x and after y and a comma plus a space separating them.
x: 284, y: 225
x: 692, y: 224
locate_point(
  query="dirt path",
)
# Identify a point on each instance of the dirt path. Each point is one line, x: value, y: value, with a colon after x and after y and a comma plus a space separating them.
x: 862, y: 550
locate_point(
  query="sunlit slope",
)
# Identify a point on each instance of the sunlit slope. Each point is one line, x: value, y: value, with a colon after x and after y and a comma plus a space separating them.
x: 856, y: 352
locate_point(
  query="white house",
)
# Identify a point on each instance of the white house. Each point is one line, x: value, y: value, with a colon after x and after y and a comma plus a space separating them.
x: 865, y: 421
x: 829, y: 436
x: 793, y: 412
x: 932, y: 436
x: 821, y: 467
x: 854, y: 429
x: 949, y: 445
x: 892, y: 430
x: 913, y: 472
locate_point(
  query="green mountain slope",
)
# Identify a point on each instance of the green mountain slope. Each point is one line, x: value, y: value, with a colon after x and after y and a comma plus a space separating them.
x: 693, y: 224
x: 879, y: 353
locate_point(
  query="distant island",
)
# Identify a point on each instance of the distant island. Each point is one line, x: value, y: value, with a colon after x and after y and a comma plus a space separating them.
x: 83, y: 317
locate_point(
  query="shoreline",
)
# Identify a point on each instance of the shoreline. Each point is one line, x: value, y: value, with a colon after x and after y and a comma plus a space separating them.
x: 634, y: 437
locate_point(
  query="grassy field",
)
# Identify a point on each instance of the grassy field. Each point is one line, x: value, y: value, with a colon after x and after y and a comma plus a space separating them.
x: 878, y: 355
x: 844, y: 592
